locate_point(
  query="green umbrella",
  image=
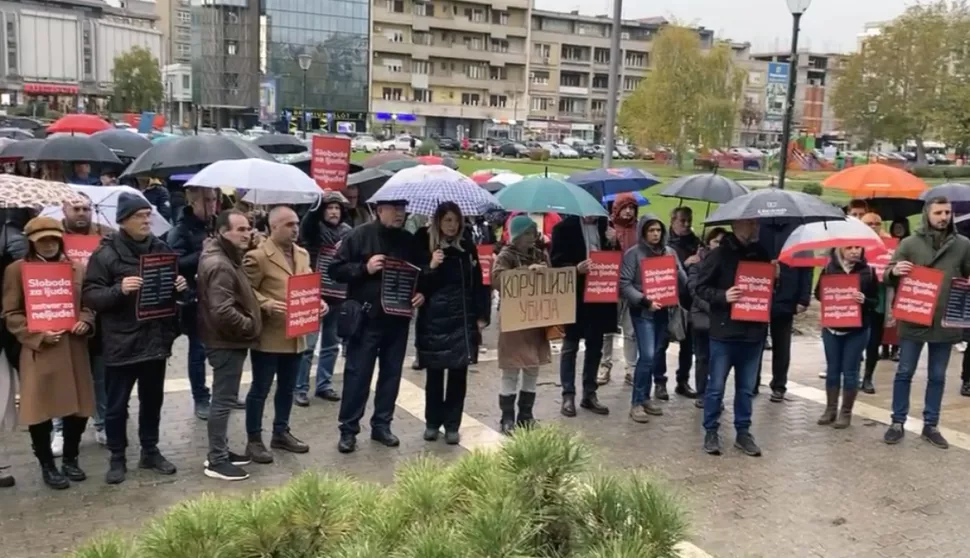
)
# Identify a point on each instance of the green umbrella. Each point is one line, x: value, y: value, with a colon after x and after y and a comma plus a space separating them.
x: 400, y: 164
x: 545, y: 195
x: 547, y: 174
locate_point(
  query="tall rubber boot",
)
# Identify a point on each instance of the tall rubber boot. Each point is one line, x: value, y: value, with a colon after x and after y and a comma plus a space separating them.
x: 506, y: 404
x: 831, y: 407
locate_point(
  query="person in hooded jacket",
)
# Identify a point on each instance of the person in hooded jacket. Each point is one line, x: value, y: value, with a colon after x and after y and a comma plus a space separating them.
x: 844, y: 345
x: 135, y: 351
x: 935, y: 244
x: 623, y: 217
x: 449, y: 324
x: 322, y: 227
x: 650, y: 320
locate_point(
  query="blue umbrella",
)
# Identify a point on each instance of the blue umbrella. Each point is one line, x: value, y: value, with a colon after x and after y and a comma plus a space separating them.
x: 616, y: 180
x: 640, y: 198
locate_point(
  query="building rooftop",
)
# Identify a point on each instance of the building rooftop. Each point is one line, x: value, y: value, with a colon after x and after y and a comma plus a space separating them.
x: 655, y: 22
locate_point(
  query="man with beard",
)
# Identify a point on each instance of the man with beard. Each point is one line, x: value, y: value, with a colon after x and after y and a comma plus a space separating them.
x: 78, y: 217
x: 937, y: 245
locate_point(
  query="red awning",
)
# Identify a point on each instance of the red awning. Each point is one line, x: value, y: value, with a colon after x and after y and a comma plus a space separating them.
x: 51, y: 88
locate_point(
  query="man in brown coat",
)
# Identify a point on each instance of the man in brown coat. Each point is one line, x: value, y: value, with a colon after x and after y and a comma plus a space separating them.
x: 230, y: 322
x: 269, y: 267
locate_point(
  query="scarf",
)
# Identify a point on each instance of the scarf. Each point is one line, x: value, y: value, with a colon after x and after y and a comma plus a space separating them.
x: 329, y: 234
x: 137, y: 247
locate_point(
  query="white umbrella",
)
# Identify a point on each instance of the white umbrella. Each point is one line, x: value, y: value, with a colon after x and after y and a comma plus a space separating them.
x: 265, y: 182
x: 104, y: 205
x: 809, y: 244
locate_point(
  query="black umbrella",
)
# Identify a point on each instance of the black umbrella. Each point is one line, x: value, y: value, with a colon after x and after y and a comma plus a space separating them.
x: 369, y: 181
x: 280, y: 144
x: 21, y: 149
x: 191, y: 153
x: 123, y: 142
x: 16, y: 133
x: 895, y: 208
x: 773, y: 203
x: 70, y: 149
x: 953, y: 191
x: 712, y: 188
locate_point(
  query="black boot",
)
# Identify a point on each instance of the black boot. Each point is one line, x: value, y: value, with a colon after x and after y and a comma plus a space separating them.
x: 73, y: 429
x: 506, y: 404
x: 52, y: 477
x: 527, y: 399
x: 867, y: 386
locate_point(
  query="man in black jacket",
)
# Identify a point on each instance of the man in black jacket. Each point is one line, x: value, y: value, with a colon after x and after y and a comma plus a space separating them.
x: 359, y: 263
x: 734, y: 343
x: 573, y: 239
x: 135, y: 350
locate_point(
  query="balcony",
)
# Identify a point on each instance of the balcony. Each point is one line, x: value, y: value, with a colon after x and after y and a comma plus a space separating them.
x: 573, y: 91
x: 542, y: 61
x: 457, y: 79
x: 446, y: 110
x: 573, y: 116
x: 584, y: 62
x: 546, y: 87
x: 383, y: 75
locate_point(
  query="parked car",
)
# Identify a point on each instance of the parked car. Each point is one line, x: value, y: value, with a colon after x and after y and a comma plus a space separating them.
x: 448, y: 144
x: 400, y: 143
x: 512, y: 149
x: 231, y: 132
x: 365, y: 143
x: 567, y: 152
x: 254, y: 133
x: 554, y: 150
x: 625, y: 152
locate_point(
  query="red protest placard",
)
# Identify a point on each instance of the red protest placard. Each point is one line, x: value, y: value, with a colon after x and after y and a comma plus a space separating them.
x: 756, y: 281
x: 839, y: 305
x: 48, y: 296
x: 917, y: 295
x: 330, y: 161
x: 302, y: 304
x: 79, y: 247
x: 658, y: 280
x: 486, y: 255
x: 603, y: 277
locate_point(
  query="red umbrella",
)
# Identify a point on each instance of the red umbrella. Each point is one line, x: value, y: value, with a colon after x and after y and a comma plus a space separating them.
x: 809, y: 244
x: 80, y: 123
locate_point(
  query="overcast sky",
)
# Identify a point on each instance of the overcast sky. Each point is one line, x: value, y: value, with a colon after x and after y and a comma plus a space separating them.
x: 828, y: 25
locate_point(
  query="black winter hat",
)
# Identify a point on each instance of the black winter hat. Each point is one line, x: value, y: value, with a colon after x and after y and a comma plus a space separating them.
x: 129, y: 204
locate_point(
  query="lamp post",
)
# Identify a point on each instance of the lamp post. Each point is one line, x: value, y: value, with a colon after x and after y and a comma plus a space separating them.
x: 612, y: 103
x: 305, y: 60
x: 797, y: 8
x: 873, y: 107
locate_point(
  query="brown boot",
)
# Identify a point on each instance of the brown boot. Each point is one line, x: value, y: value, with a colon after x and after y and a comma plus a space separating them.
x: 257, y: 451
x: 831, y: 407
x: 845, y: 415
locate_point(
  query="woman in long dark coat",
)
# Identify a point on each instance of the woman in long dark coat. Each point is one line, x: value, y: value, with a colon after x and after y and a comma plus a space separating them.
x: 449, y: 323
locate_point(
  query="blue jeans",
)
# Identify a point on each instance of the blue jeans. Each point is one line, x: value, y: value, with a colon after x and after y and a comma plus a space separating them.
x: 651, y: 330
x: 937, y: 361
x: 744, y: 357
x: 329, y: 349
x: 200, y: 392
x: 843, y: 357
x: 266, y: 366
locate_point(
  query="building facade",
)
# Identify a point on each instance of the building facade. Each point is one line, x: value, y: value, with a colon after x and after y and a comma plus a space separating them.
x: 815, y: 77
x: 569, y: 67
x: 175, y: 23
x: 452, y: 69
x: 59, y: 55
x: 177, y: 79
x: 753, y: 126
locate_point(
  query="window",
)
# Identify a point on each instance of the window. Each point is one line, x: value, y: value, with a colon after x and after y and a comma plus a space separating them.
x: 184, y: 50
x: 396, y: 6
x: 500, y: 18
x: 475, y: 15
x: 540, y: 50
x: 473, y: 43
x: 395, y: 36
x: 392, y: 94
x: 186, y: 82
x: 476, y: 71
x: 601, y: 55
x: 426, y: 10
x: 539, y: 78
x: 393, y: 65
x: 601, y: 81
x: 635, y: 59
x: 541, y: 104
x: 470, y: 99
x: 422, y: 96
x: 598, y: 106
x: 497, y: 101
x: 631, y: 82
x: 12, y: 65
x: 232, y: 48
x: 422, y: 67
x: 184, y: 17
x: 590, y: 29
x: 230, y: 81
x: 421, y: 38
x: 567, y: 79
x: 570, y: 105
x: 497, y: 73
x: 88, y: 57
x: 574, y: 53
x: 499, y: 45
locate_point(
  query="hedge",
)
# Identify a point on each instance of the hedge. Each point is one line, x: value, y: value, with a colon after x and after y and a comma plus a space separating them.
x: 538, y: 497
x: 941, y: 171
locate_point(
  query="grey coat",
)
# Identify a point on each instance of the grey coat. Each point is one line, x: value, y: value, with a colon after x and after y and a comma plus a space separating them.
x: 630, y: 281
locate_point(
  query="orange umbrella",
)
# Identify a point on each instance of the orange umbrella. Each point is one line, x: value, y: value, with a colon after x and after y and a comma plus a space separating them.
x: 876, y: 181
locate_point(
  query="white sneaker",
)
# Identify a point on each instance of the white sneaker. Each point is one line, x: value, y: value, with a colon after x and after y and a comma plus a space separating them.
x: 101, y: 437
x: 962, y: 347
x: 57, y: 445
x: 822, y: 375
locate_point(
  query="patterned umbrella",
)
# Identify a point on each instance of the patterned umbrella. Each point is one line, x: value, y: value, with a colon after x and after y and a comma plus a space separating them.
x: 425, y: 187
x: 23, y: 192
x: 379, y: 159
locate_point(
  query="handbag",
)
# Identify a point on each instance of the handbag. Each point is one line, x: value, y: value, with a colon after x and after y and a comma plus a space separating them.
x: 351, y: 318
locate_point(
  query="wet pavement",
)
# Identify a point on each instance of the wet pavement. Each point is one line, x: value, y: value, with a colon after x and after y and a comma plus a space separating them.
x: 815, y: 492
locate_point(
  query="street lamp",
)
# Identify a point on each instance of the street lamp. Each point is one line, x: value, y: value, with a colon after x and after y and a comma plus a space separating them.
x: 797, y: 8
x: 305, y: 60
x: 873, y: 107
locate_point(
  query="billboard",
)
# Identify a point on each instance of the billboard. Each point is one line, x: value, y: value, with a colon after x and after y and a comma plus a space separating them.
x: 267, y: 100
x: 776, y: 91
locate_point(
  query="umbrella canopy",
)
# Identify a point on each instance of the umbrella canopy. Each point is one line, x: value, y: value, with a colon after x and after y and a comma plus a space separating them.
x: 712, y: 188
x: 894, y: 208
x: 22, y: 192
x: 809, y: 244
x: 190, y: 154
x: 20, y: 149
x: 265, y: 182
x: 280, y: 144
x: 123, y: 143
x: 104, y: 203
x: 876, y: 180
x: 547, y: 174
x: 71, y: 149
x: 16, y: 133
x: 159, y: 137
x: 482, y: 176
x: 400, y: 164
x: 640, y: 198
x: 501, y: 181
x: 425, y: 187
x: 436, y: 160
x: 379, y: 159
x: 369, y: 181
x: 614, y: 180
x: 953, y: 191
x: 773, y: 203
x: 82, y: 123
x: 546, y: 195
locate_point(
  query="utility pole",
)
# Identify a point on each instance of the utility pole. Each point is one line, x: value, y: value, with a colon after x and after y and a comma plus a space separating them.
x: 614, y: 88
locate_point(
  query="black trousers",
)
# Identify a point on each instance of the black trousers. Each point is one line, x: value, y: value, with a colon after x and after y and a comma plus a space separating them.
x: 877, y: 323
x: 119, y: 382
x: 444, y: 403
x: 591, y: 358
x: 780, y: 332
x: 685, y: 358
x: 702, y: 353
x: 965, y: 374
x: 384, y: 342
x: 40, y: 438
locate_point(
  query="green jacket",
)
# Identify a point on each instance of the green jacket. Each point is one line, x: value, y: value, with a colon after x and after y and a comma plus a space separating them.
x: 952, y: 258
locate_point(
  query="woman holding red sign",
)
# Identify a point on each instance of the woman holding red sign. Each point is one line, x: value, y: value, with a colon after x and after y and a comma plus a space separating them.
x: 55, y: 373
x: 844, y: 345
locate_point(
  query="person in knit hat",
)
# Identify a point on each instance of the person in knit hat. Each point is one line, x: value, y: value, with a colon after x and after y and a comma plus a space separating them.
x: 520, y: 353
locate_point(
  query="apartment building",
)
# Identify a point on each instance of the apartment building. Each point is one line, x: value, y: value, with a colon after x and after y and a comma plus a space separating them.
x: 569, y: 66
x: 451, y: 68
x: 753, y: 127
x: 175, y: 23
x: 815, y: 76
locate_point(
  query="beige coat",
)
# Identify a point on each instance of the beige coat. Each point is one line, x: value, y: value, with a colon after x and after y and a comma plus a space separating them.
x: 55, y: 380
x: 527, y: 348
x: 267, y: 270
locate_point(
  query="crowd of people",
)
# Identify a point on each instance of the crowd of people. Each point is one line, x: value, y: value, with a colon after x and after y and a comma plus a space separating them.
x: 234, y: 263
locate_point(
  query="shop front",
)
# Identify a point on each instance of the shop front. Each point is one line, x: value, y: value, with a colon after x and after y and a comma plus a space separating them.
x: 335, y: 122
x: 61, y: 97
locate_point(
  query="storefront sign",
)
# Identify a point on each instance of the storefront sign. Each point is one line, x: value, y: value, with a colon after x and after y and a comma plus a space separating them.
x: 51, y: 88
